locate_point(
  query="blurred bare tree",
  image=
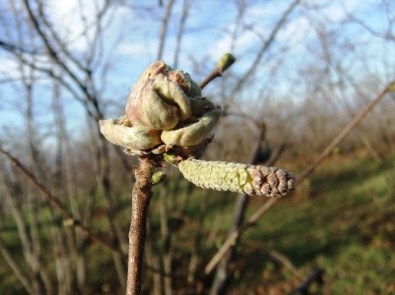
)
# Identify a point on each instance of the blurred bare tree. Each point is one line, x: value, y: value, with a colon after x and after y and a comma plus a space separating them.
x: 304, y: 70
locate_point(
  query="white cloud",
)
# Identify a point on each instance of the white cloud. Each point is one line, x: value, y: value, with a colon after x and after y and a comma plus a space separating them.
x: 71, y: 18
x: 137, y: 48
x: 9, y: 68
x: 12, y: 69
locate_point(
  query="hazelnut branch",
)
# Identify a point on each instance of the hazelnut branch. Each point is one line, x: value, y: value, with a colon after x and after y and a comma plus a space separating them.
x: 168, y: 120
x: 141, y: 196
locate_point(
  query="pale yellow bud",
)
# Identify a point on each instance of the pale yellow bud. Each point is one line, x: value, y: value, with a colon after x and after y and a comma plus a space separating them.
x: 120, y: 132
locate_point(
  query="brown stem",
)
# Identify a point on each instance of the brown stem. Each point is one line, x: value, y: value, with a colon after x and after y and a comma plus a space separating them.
x: 214, y: 74
x: 223, y: 64
x: 141, y: 196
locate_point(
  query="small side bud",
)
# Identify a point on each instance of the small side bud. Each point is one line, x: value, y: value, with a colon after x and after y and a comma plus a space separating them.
x: 68, y: 222
x: 225, y: 62
x: 157, y: 177
x: 170, y: 158
x: 391, y: 87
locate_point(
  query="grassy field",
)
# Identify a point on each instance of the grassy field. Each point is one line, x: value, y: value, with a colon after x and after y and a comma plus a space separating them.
x: 342, y: 220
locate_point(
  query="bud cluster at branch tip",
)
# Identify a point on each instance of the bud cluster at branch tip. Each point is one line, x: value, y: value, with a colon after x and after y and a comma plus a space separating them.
x: 167, y: 118
x: 164, y: 109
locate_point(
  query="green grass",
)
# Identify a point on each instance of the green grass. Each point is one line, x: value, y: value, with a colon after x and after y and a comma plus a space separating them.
x: 343, y: 222
x: 346, y: 225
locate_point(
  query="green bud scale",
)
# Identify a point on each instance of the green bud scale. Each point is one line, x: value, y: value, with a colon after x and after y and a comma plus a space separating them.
x: 240, y: 178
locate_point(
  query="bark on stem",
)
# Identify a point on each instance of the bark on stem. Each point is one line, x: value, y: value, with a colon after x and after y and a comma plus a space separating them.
x: 141, y: 196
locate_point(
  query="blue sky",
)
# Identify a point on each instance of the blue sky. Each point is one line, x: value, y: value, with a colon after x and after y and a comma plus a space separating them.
x: 131, y: 42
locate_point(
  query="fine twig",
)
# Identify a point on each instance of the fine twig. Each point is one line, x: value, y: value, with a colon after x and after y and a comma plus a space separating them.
x: 163, y: 31
x: 70, y: 220
x: 232, y: 238
x: 283, y: 260
x: 343, y: 133
x: 214, y: 74
x: 316, y: 276
x: 51, y: 51
x: 266, y: 45
x: 141, y: 196
x: 223, y: 64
